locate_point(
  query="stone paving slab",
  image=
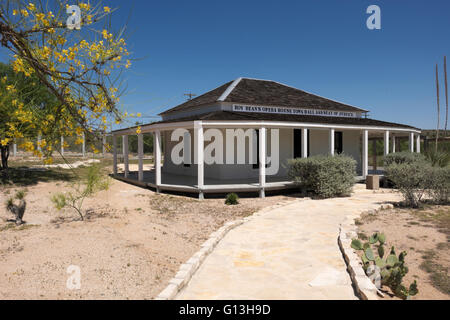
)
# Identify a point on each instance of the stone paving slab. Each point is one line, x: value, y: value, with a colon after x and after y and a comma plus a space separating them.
x: 290, y: 252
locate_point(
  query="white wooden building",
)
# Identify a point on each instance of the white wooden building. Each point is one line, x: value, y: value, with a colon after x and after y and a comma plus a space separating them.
x: 285, y: 123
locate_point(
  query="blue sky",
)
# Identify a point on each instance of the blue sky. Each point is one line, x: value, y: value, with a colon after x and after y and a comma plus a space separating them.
x: 322, y: 47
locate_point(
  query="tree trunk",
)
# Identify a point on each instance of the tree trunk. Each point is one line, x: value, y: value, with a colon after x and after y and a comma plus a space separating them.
x: 4, y: 150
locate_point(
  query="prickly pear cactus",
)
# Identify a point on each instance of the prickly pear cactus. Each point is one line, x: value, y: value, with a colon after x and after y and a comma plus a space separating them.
x: 391, y: 268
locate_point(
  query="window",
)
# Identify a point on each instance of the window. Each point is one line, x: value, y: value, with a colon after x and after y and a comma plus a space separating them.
x: 298, y: 143
x: 256, y: 164
x: 338, y: 147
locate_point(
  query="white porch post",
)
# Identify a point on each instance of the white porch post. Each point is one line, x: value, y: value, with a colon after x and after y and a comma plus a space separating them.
x: 262, y: 161
x: 114, y: 138
x: 62, y: 145
x: 83, y: 146
x: 411, y: 141
x: 418, y: 143
x: 14, y: 149
x: 304, y: 143
x: 198, y: 127
x: 386, y: 142
x: 365, y: 153
x: 331, y: 141
x: 157, y: 158
x: 125, y: 155
x: 141, y: 157
x: 393, y: 143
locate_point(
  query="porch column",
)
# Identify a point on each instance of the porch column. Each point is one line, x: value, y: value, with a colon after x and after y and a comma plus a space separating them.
x: 411, y: 141
x: 62, y: 145
x: 304, y: 143
x: 418, y: 143
x: 114, y: 138
x: 365, y: 153
x: 104, y: 145
x: 386, y: 142
x: 157, y: 158
x: 14, y: 149
x: 200, y: 160
x: 393, y: 143
x: 83, y: 146
x: 141, y: 157
x: 125, y: 155
x: 262, y: 161
x: 331, y: 141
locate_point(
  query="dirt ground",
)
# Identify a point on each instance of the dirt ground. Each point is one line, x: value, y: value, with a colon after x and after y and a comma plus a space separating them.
x: 130, y: 245
x: 425, y: 235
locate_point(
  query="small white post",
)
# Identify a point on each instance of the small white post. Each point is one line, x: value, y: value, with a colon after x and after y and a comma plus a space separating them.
x: 125, y: 155
x: 393, y: 143
x: 411, y: 141
x: 386, y: 142
x: 104, y: 145
x: 39, y: 142
x: 114, y: 138
x: 83, y: 146
x: 14, y: 149
x: 200, y: 160
x: 304, y: 143
x: 62, y: 145
x: 365, y: 153
x: 331, y: 141
x: 418, y: 143
x: 157, y: 158
x: 262, y: 161
x: 141, y: 157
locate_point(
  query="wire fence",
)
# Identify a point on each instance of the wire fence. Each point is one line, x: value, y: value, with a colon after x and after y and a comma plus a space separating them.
x: 69, y: 147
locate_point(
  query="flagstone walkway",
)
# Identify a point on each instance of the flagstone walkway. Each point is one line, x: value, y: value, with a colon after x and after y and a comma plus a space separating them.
x: 290, y: 252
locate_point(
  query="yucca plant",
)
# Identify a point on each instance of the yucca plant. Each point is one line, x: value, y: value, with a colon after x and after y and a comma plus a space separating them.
x: 17, y: 205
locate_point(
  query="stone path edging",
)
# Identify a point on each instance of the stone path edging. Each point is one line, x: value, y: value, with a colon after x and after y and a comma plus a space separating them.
x: 364, y: 287
x: 188, y: 269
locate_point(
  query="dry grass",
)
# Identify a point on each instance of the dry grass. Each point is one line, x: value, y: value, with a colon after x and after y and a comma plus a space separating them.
x: 425, y: 234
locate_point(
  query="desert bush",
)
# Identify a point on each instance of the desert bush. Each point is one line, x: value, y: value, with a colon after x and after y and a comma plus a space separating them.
x: 439, y: 185
x: 385, y: 269
x: 411, y: 178
x: 17, y: 205
x: 232, y: 199
x: 404, y: 157
x: 327, y: 176
x: 74, y: 199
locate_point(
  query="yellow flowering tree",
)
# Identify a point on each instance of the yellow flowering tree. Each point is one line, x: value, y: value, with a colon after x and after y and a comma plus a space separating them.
x: 25, y: 107
x: 70, y: 51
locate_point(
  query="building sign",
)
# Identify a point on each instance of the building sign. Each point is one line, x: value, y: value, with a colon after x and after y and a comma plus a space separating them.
x: 293, y: 111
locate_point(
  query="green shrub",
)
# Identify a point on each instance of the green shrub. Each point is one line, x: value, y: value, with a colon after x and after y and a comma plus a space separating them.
x: 232, y: 199
x: 403, y: 157
x: 327, y: 176
x: 412, y: 179
x: 439, y: 185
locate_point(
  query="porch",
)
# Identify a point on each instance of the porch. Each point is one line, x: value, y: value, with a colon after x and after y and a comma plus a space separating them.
x: 197, y: 182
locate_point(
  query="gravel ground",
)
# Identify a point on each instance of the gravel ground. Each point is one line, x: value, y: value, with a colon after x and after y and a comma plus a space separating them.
x: 129, y: 246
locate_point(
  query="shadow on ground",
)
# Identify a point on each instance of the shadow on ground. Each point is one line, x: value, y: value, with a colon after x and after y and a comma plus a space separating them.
x: 25, y: 176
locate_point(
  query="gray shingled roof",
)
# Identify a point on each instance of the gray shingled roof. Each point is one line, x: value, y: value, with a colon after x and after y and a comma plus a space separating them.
x: 265, y: 93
